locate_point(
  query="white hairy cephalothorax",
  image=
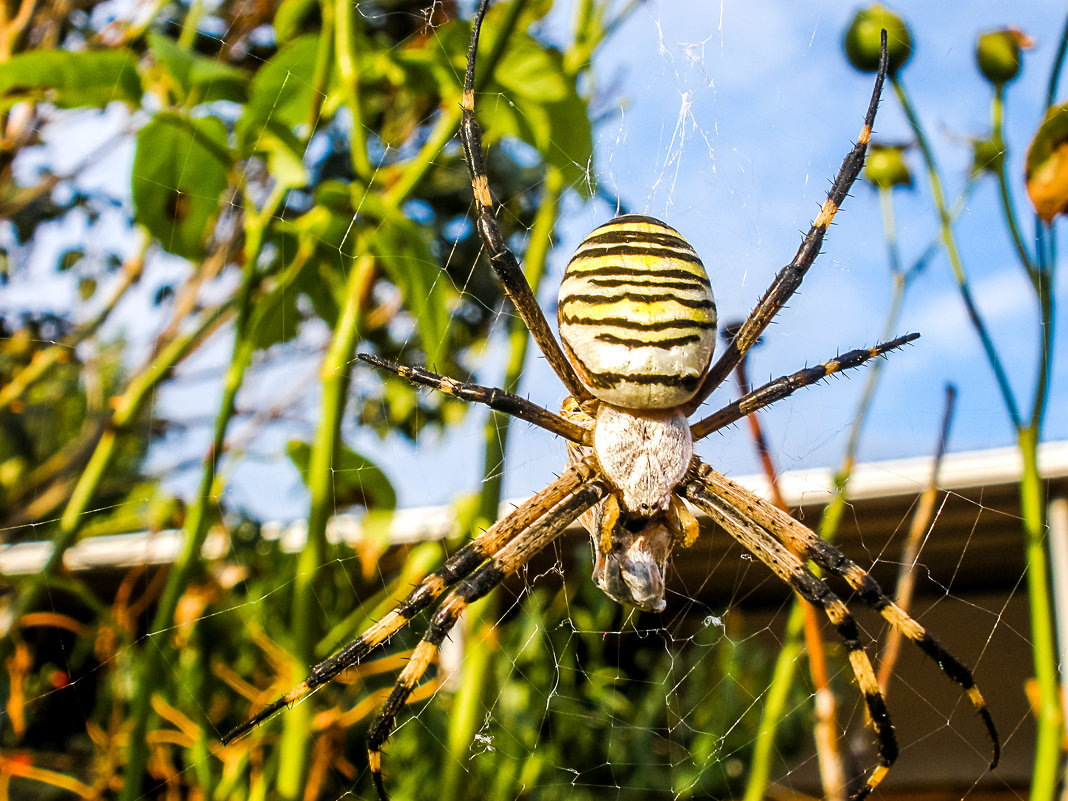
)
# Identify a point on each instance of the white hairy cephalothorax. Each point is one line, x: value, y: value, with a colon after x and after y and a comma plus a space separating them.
x: 644, y: 454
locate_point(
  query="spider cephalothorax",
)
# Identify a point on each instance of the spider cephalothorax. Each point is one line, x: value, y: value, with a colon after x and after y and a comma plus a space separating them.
x: 637, y: 319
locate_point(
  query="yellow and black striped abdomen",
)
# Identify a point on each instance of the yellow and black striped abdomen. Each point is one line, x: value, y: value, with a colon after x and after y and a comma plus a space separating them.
x: 637, y: 316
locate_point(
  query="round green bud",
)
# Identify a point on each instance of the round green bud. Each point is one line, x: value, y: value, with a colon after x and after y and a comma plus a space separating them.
x: 998, y: 54
x: 987, y: 156
x: 863, y: 39
x: 886, y: 167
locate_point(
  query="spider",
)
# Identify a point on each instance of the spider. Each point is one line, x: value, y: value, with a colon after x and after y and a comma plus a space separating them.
x: 637, y: 323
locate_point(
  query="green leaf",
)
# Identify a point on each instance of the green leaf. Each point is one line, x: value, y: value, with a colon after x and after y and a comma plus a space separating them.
x: 212, y: 79
x: 291, y: 15
x: 530, y: 70
x: 571, y: 142
x: 86, y: 288
x: 274, y: 319
x: 283, y: 91
x: 545, y: 111
x: 405, y: 256
x: 179, y: 174
x: 70, y: 259
x: 357, y: 481
x: 402, y: 251
x: 91, y: 78
x: 177, y: 61
x: 284, y: 153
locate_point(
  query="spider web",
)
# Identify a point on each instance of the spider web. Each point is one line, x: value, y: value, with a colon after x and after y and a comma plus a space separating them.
x: 727, y: 123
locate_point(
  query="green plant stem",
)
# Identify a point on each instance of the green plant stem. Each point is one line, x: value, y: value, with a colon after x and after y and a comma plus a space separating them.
x: 324, y: 65
x: 346, y: 57
x: 1058, y: 64
x: 949, y: 242
x: 1046, y: 243
x: 444, y: 130
x: 1047, y: 766
x: 775, y: 706
x: 190, y: 25
x: 1047, y: 324
x: 997, y: 111
x: 207, y: 498
x: 334, y: 377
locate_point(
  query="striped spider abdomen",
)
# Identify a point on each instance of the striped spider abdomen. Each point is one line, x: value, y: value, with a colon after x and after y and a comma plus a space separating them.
x: 637, y: 316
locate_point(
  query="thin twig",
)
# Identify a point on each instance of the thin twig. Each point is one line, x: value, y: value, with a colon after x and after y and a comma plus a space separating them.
x: 910, y: 554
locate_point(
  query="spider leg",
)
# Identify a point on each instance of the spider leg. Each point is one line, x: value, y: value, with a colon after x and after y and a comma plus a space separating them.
x: 789, y: 278
x: 504, y: 563
x: 803, y: 541
x: 789, y: 567
x: 456, y: 567
x: 496, y: 399
x: 501, y: 257
x: 786, y: 385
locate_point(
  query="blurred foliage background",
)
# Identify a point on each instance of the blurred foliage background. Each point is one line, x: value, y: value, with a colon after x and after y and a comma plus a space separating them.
x: 298, y: 193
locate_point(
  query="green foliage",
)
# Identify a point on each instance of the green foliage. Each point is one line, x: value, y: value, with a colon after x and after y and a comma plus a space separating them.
x: 283, y: 91
x: 89, y: 78
x: 179, y: 177
x: 357, y: 480
x: 192, y: 78
x: 551, y: 118
x: 42, y: 434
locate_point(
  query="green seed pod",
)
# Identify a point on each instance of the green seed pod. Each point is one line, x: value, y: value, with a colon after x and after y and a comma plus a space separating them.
x: 987, y: 156
x: 886, y: 167
x: 998, y: 54
x: 863, y: 39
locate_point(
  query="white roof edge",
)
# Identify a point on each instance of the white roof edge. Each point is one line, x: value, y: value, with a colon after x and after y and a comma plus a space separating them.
x: 908, y: 476
x: 871, y: 480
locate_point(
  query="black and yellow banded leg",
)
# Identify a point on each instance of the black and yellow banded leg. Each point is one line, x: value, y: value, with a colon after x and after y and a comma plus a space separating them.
x: 501, y: 257
x: 802, y: 540
x: 786, y: 385
x: 455, y: 568
x: 789, y: 567
x: 789, y: 278
x: 497, y: 399
x: 510, y: 558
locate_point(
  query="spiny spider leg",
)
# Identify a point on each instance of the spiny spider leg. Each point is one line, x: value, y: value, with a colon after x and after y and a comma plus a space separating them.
x: 503, y: 260
x: 504, y: 563
x: 804, y: 542
x: 456, y: 567
x: 496, y: 399
x: 789, y: 567
x: 789, y: 278
x: 788, y: 384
